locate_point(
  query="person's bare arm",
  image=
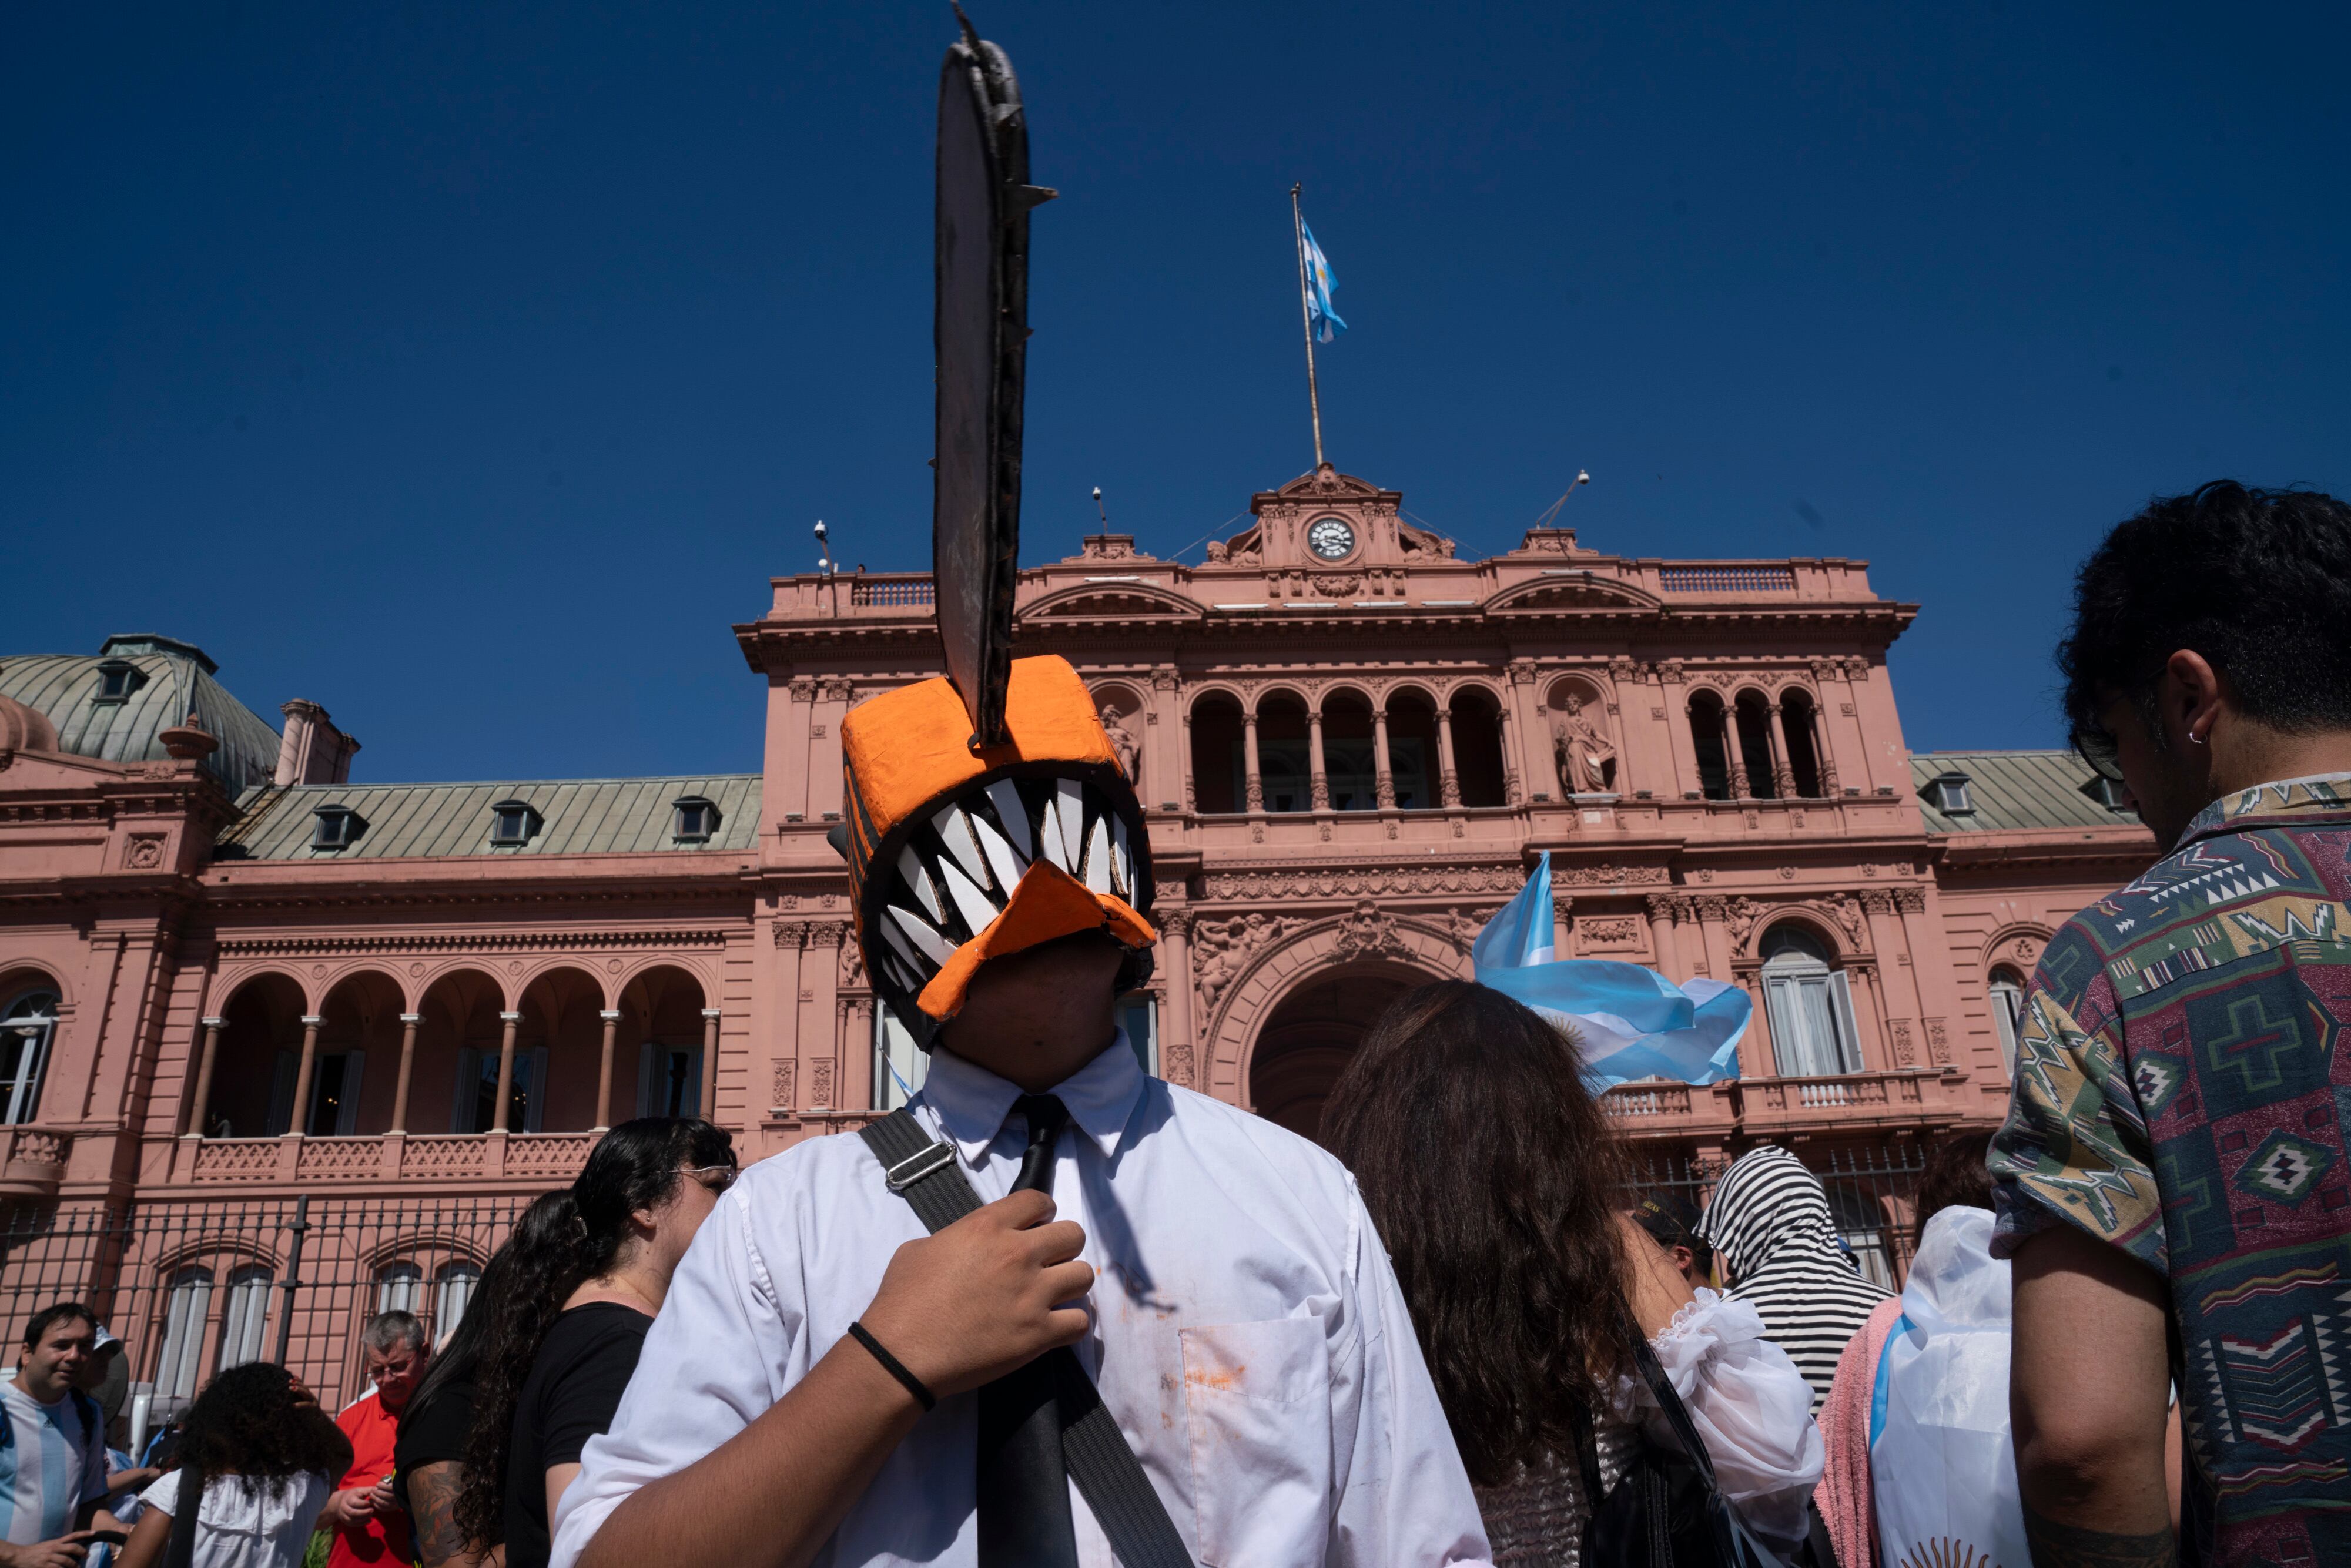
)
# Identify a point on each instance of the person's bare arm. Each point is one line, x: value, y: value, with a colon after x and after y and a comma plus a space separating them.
x: 148, y: 1539
x: 557, y: 1478
x: 432, y: 1496
x: 2088, y: 1389
x: 957, y: 1309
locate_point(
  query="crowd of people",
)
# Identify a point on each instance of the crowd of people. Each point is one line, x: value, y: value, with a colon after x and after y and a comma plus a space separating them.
x: 1070, y: 1306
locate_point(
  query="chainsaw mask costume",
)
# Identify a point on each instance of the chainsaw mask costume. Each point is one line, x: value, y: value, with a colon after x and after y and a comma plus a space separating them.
x: 958, y: 856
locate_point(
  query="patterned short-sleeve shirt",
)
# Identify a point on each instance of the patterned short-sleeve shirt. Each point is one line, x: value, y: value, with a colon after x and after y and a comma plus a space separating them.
x: 2183, y: 1092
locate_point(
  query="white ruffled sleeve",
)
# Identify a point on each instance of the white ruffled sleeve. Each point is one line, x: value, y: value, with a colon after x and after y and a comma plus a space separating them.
x: 1748, y: 1402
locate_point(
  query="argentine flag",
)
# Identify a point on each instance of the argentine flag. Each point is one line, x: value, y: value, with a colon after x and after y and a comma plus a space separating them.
x: 1319, y: 284
x: 1634, y: 1022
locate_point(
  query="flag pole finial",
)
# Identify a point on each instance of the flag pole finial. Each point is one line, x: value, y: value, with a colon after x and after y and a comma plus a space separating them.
x: 1306, y: 321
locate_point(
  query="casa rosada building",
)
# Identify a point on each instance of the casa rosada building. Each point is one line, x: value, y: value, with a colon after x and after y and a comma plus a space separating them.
x: 229, y: 971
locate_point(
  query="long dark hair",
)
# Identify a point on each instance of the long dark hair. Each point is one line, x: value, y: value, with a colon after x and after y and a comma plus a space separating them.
x: 563, y: 1241
x: 245, y: 1424
x: 455, y: 1362
x: 1954, y: 1177
x: 1494, y: 1178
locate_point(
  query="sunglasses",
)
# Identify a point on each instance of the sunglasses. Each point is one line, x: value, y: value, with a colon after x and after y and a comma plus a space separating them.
x: 717, y: 1178
x: 2097, y: 748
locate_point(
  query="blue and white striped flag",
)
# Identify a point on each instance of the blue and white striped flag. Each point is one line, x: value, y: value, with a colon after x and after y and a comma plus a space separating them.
x: 1634, y: 1022
x: 1319, y: 284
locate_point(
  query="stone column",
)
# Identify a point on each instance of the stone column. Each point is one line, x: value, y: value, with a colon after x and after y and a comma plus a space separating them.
x: 1318, y: 778
x: 1176, y: 1047
x: 612, y: 1017
x: 1382, y: 774
x: 710, y: 1064
x: 1256, y: 797
x: 299, y: 1119
x: 1507, y: 734
x: 204, y: 1089
x: 1783, y: 776
x: 408, y: 1023
x: 508, y: 1024
x: 1661, y: 935
x: 1449, y: 782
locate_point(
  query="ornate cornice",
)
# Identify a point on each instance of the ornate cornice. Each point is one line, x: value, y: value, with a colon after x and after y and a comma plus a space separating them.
x: 230, y: 946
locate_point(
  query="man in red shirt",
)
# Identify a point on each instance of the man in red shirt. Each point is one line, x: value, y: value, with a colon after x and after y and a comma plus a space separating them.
x: 370, y: 1531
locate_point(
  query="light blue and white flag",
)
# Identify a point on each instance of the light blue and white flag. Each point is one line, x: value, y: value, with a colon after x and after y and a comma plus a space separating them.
x: 1633, y: 1021
x: 1319, y: 284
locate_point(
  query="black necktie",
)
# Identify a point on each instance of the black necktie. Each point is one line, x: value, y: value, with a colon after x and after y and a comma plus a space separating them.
x: 1024, y: 1491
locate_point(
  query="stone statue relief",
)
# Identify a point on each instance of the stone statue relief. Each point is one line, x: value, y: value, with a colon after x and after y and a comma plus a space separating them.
x: 1129, y: 750
x: 1586, y: 757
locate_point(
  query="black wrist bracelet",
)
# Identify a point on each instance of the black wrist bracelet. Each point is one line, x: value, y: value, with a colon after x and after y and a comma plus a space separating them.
x: 894, y: 1367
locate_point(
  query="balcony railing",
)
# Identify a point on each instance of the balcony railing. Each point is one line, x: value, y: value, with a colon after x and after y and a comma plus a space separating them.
x: 32, y: 1161
x: 549, y: 1157
x: 1727, y: 580
x: 907, y: 592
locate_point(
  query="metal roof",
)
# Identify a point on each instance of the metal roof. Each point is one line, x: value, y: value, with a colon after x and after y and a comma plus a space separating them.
x: 2012, y: 791
x: 580, y: 817
x: 177, y: 681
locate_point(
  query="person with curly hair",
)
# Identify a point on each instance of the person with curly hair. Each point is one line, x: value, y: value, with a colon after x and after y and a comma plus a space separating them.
x: 1499, y: 1188
x: 257, y: 1460
x: 584, y: 1273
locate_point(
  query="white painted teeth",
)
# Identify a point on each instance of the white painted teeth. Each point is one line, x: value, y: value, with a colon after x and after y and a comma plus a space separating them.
x: 907, y: 979
x: 897, y: 942
x: 1014, y: 814
x: 918, y: 882
x: 1057, y: 849
x: 978, y: 912
x: 937, y: 948
x: 1098, y: 859
x: 1069, y: 794
x: 955, y: 829
x: 1002, y: 858
x: 1125, y: 860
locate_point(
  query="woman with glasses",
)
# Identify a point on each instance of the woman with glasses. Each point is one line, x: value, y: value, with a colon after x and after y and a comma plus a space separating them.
x: 585, y: 1271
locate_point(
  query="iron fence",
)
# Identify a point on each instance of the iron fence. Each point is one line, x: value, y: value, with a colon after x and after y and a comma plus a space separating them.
x: 194, y: 1286
x: 1872, y: 1193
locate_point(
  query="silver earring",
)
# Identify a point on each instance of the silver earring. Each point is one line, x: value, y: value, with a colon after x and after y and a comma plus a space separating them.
x: 2197, y: 740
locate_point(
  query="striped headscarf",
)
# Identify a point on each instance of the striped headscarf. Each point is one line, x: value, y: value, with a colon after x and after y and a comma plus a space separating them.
x: 1769, y: 1220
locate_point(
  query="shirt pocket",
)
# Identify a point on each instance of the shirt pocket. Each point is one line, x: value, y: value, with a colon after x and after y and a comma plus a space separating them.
x: 1257, y: 1398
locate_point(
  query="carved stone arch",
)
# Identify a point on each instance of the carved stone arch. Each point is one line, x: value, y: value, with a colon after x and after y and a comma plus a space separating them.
x: 447, y: 1244
x: 1339, y: 685
x: 701, y: 972
x: 220, y: 1250
x: 1820, y: 924
x: 1124, y: 690
x: 1112, y: 604
x: 20, y: 974
x: 1216, y: 688
x: 1572, y: 593
x: 2019, y: 945
x: 1366, y: 935
x: 235, y: 978
x: 1388, y: 690
x: 427, y: 973
x: 1706, y: 686
x: 1263, y: 692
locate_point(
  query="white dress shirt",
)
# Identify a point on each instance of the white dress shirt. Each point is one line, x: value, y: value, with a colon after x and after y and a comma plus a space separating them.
x: 1248, y: 1334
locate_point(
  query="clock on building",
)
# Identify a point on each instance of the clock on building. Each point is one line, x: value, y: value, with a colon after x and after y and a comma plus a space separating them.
x: 1331, y: 539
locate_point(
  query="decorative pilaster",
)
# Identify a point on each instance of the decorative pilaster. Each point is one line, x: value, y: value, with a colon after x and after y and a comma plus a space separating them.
x: 1256, y: 795
x: 1176, y: 1046
x: 1661, y: 934
x: 1318, y: 776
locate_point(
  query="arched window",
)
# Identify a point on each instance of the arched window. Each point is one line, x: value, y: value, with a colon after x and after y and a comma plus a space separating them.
x: 245, y: 1316
x: 1713, y: 754
x: 1810, y: 1006
x: 399, y: 1286
x: 1412, y: 749
x: 1804, y: 745
x: 1218, y: 784
x: 1754, y: 725
x: 27, y: 1027
x: 1347, y: 765
x: 2008, y: 1012
x: 453, y: 1284
x: 1477, y: 747
x: 186, y: 1301
x: 1281, y: 763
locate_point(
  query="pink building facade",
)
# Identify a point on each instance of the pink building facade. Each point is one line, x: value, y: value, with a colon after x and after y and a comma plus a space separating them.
x: 231, y: 975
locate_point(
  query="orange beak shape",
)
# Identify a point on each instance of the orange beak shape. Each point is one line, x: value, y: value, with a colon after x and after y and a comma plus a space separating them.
x: 1047, y: 904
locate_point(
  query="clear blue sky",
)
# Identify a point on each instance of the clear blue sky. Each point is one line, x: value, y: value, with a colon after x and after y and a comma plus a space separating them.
x: 469, y: 368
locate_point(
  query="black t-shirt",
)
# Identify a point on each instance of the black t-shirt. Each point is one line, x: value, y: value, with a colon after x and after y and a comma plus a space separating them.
x: 574, y: 1387
x: 432, y: 1435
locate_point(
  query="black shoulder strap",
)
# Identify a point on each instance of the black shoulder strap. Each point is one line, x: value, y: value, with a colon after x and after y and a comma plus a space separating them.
x: 924, y: 1173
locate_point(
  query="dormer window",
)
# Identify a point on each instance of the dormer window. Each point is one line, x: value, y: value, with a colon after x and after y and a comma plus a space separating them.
x: 694, y: 822
x: 117, y: 679
x: 2107, y: 792
x: 1949, y: 793
x: 337, y: 828
x: 514, y: 824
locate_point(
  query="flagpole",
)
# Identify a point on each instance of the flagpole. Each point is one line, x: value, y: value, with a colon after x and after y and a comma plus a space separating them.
x: 1306, y: 322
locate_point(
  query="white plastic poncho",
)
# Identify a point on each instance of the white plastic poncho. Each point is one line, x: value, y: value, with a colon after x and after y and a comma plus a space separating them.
x: 1941, y: 1461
